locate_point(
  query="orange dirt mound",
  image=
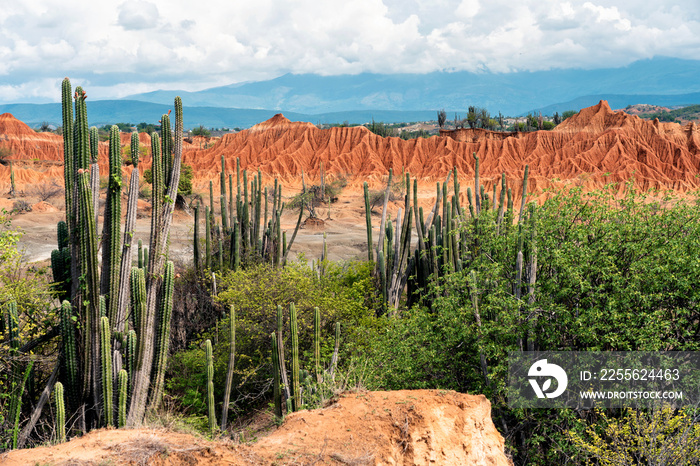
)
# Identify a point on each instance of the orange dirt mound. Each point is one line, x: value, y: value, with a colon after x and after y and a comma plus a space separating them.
x: 593, y: 148
x: 373, y: 428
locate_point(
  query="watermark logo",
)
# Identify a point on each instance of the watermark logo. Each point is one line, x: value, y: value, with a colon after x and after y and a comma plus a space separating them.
x: 541, y: 369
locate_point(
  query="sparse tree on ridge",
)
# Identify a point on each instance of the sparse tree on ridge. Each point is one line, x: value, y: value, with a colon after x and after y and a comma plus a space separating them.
x: 442, y: 117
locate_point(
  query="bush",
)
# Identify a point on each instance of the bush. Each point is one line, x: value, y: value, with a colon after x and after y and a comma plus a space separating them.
x: 613, y: 275
x: 343, y: 295
x: 184, y: 187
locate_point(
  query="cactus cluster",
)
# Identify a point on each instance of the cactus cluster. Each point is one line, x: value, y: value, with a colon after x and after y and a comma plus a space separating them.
x: 444, y: 244
x: 249, y: 226
x: 113, y: 314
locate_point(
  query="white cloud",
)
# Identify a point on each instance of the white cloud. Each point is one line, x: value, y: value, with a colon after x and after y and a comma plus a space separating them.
x: 178, y: 44
x: 138, y: 14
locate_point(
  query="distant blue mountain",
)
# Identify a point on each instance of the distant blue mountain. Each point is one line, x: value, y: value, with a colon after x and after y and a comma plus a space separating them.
x: 105, y: 112
x: 511, y: 93
x: 398, y: 97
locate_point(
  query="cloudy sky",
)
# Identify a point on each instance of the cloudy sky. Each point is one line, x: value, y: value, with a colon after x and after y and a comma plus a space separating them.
x: 141, y: 45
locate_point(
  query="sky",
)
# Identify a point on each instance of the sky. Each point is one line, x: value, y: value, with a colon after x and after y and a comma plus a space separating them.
x: 117, y: 48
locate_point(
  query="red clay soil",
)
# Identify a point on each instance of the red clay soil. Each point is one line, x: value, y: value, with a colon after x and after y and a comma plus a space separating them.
x: 372, y: 428
x: 593, y: 148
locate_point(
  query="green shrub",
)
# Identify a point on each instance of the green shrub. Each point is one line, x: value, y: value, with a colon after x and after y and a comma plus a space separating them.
x: 343, y: 295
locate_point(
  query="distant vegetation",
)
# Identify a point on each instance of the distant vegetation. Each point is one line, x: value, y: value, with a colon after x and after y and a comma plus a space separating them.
x: 691, y: 112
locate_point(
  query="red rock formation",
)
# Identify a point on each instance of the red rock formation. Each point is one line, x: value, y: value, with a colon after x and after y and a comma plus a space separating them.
x: 593, y: 148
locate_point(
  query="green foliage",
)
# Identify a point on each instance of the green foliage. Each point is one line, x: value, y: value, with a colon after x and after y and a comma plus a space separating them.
x: 184, y: 187
x: 381, y: 129
x: 567, y: 114
x: 201, y: 131
x: 659, y: 436
x: 691, y: 112
x: 613, y: 274
x: 29, y: 288
x: 255, y: 293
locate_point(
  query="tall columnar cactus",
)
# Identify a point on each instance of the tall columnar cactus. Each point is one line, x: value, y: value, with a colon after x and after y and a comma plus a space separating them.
x: 231, y: 366
x: 88, y: 256
x: 294, y: 332
x: 106, y: 366
x: 68, y: 167
x: 95, y: 170
x: 210, y: 387
x: 123, y: 395
x: 368, y: 220
x: 196, y: 254
x: 60, y: 412
x: 276, y: 389
x: 119, y: 312
x: 317, y: 343
x: 13, y: 190
x: 85, y: 277
x: 165, y: 312
x: 130, y: 358
x: 71, y: 365
x: 207, y: 238
x: 138, y: 297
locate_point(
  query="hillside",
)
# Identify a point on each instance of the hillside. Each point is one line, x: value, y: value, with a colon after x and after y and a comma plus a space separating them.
x: 593, y: 148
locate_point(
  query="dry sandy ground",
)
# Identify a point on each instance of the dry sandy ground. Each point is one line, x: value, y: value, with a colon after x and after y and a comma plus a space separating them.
x: 345, y: 229
x: 418, y: 427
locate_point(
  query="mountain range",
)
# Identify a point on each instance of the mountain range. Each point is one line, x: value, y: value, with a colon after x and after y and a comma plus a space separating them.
x: 401, y: 97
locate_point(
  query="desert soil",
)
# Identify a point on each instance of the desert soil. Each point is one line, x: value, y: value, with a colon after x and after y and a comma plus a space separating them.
x: 368, y: 428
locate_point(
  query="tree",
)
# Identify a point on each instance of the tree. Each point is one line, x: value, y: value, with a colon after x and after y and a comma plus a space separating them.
x: 567, y: 114
x: 201, y: 131
x: 556, y: 118
x: 472, y: 116
x: 442, y: 117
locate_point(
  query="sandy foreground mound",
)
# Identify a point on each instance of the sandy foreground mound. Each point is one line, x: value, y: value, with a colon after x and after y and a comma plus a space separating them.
x: 372, y: 428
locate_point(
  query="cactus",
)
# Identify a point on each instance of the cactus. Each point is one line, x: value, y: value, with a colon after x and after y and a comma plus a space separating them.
x: 85, y: 278
x: 140, y: 255
x: 123, y: 383
x: 368, y: 220
x: 70, y: 353
x: 276, y: 389
x: 196, y: 253
x: 122, y: 283
x: 296, y: 393
x: 165, y: 312
x: 60, y: 412
x: 523, y: 201
x: 13, y: 190
x: 106, y: 366
x: 280, y: 350
x: 207, y: 247
x: 16, y: 402
x: 130, y: 353
x: 138, y: 297
x: 317, y: 343
x: 231, y: 365
x: 210, y: 387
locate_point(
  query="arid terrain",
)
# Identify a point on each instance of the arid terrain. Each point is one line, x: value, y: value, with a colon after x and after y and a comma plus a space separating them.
x: 591, y: 149
x: 381, y: 428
